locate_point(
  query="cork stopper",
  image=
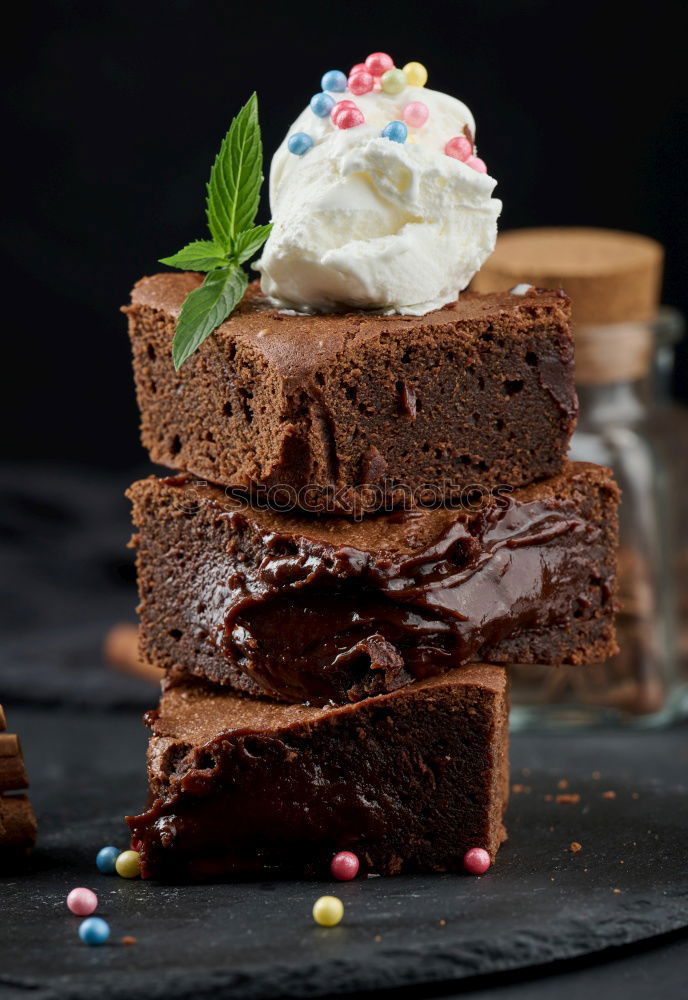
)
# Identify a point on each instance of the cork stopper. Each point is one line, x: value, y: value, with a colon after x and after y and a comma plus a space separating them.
x: 613, y: 279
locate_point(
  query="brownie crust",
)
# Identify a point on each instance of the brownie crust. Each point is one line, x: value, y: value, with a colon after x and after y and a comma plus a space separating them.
x: 408, y: 781
x: 330, y: 610
x: 480, y: 391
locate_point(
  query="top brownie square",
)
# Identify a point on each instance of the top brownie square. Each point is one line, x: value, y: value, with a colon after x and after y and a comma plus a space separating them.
x: 479, y: 393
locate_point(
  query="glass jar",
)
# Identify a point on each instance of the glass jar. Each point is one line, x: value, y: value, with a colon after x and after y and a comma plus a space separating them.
x: 626, y: 422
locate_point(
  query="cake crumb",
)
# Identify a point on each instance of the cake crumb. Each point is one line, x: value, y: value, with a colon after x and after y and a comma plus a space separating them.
x: 616, y: 891
x: 442, y: 923
x: 562, y: 785
x: 128, y: 939
x: 549, y: 798
x: 521, y: 789
x: 609, y: 795
x: 568, y: 799
x: 378, y: 937
x: 575, y: 847
x: 635, y: 795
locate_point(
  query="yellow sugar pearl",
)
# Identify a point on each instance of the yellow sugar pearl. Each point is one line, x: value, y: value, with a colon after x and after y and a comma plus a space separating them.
x: 393, y: 81
x: 416, y: 74
x: 128, y: 864
x: 328, y: 911
x: 410, y: 138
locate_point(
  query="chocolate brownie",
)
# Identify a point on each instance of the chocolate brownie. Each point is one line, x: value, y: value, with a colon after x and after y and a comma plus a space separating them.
x: 408, y: 781
x: 330, y: 609
x: 17, y: 821
x: 480, y: 391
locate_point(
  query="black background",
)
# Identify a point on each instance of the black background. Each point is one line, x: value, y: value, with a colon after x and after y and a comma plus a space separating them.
x: 115, y: 110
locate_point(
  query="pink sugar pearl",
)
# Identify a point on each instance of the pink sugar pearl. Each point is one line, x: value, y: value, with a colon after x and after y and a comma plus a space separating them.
x: 344, y: 866
x: 459, y: 147
x: 477, y: 164
x: 361, y: 82
x: 415, y: 114
x: 349, y: 118
x: 82, y: 902
x: 358, y: 68
x: 338, y: 108
x: 378, y: 63
x: 476, y: 861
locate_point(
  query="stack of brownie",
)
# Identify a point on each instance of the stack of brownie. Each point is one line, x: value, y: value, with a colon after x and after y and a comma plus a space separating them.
x: 17, y: 821
x: 370, y: 516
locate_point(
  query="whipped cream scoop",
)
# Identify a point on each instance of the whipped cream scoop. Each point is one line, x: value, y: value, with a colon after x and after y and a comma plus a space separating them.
x: 362, y: 220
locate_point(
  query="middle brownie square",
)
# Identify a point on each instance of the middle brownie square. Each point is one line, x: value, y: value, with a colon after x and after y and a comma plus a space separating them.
x: 316, y: 610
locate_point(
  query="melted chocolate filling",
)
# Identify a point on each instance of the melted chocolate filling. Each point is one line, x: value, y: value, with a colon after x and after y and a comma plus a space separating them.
x: 310, y: 622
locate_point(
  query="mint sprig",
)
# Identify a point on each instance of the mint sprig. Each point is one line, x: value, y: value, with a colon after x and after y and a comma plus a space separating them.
x: 231, y: 206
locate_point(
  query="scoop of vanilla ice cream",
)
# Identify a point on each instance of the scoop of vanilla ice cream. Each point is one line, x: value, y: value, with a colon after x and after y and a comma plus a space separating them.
x: 361, y: 221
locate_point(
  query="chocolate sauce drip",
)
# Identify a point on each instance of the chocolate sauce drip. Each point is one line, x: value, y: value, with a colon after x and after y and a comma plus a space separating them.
x: 313, y: 622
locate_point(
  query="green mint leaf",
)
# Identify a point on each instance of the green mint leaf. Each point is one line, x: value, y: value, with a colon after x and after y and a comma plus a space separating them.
x: 232, y: 203
x: 248, y: 242
x: 205, y: 308
x: 201, y: 255
x: 236, y: 177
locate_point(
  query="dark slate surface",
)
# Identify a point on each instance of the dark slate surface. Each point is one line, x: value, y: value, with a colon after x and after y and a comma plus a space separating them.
x: 540, y: 909
x: 538, y: 905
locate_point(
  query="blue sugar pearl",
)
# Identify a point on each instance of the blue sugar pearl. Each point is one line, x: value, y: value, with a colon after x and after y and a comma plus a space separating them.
x: 94, y: 931
x: 334, y: 80
x: 322, y: 104
x: 105, y: 859
x: 396, y: 131
x: 299, y: 143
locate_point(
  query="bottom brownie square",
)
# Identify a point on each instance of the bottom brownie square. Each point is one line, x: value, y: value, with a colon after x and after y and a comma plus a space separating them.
x: 409, y: 781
